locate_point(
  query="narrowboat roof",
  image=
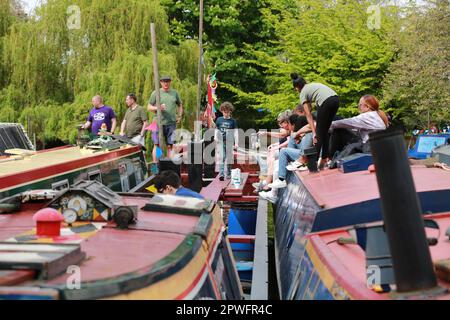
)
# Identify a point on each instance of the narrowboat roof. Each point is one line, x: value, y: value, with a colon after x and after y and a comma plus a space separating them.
x: 18, y: 169
x: 50, y: 157
x: 112, y: 253
x: 332, y: 188
x: 346, y: 263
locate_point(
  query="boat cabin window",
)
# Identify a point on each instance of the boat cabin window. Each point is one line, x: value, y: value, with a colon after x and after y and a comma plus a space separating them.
x: 124, y: 182
x: 137, y: 170
x: 95, y: 175
x: 61, y: 185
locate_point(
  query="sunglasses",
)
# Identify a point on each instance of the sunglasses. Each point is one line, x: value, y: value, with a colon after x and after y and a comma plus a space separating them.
x: 161, y: 190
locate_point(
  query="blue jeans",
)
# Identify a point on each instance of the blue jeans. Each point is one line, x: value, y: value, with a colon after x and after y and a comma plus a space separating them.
x: 293, y: 145
x: 227, y: 158
x: 291, y: 154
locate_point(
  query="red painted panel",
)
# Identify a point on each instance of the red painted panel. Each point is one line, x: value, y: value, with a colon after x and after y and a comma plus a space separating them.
x: 241, y: 238
x: 112, y: 252
x: 40, y: 173
x: 14, y: 277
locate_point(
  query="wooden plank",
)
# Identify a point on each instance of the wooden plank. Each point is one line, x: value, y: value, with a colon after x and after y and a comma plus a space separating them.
x: 51, y: 248
x: 14, y: 277
x: 28, y: 293
x: 233, y: 191
x: 49, y: 260
x: 214, y: 190
x: 241, y: 238
x: 22, y: 152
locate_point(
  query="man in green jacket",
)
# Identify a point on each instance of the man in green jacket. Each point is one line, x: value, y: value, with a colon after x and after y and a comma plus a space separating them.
x: 170, y: 104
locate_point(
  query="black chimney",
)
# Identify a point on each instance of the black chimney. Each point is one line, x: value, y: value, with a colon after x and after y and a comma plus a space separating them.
x: 402, y: 213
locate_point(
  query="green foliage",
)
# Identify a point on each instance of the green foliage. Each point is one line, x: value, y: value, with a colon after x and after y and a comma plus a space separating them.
x: 49, y: 71
x: 255, y: 45
x: 417, y: 87
x: 52, y: 70
x: 229, y: 25
x: 327, y: 42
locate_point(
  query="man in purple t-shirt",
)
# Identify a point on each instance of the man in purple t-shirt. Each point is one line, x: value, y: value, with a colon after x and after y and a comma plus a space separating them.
x: 101, y: 114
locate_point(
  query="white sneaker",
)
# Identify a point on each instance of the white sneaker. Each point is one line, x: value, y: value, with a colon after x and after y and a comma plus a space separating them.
x: 269, y: 196
x: 303, y: 167
x: 259, y: 185
x: 294, y: 167
x: 278, y: 184
x: 296, y: 163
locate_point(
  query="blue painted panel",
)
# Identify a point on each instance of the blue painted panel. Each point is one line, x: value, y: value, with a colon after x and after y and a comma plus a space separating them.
x: 243, y: 251
x: 310, y: 286
x: 25, y: 297
x: 355, y: 162
x: 426, y: 143
x: 370, y: 211
x: 294, y: 217
x: 241, y: 221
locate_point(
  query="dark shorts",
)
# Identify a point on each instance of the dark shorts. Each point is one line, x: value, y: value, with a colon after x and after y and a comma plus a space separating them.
x: 169, y: 133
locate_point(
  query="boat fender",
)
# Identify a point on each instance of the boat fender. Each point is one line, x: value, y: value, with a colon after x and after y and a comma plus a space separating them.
x: 447, y: 233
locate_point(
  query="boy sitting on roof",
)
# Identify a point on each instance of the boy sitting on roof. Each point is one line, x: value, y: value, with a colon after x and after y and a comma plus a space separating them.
x: 169, y: 182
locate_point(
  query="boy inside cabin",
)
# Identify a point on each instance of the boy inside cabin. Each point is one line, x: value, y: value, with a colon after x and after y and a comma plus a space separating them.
x: 226, y: 136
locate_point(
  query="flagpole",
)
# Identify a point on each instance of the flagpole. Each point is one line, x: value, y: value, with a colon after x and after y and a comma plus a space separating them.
x: 156, y: 82
x: 197, y: 126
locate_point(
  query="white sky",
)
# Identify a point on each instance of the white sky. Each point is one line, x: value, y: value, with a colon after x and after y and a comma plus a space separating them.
x: 31, y: 4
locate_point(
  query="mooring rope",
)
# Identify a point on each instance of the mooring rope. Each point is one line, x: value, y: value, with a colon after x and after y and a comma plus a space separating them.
x: 442, y: 166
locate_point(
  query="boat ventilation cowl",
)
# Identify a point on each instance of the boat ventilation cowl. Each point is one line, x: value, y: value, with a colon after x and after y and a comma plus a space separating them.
x: 48, y: 222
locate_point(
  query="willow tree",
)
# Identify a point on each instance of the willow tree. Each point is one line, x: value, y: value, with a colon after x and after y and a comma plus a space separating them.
x: 71, y: 50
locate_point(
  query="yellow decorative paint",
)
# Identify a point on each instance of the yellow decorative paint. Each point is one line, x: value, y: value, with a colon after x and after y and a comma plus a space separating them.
x: 325, y: 275
x: 173, y: 286
x: 152, y: 189
x: 95, y: 214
